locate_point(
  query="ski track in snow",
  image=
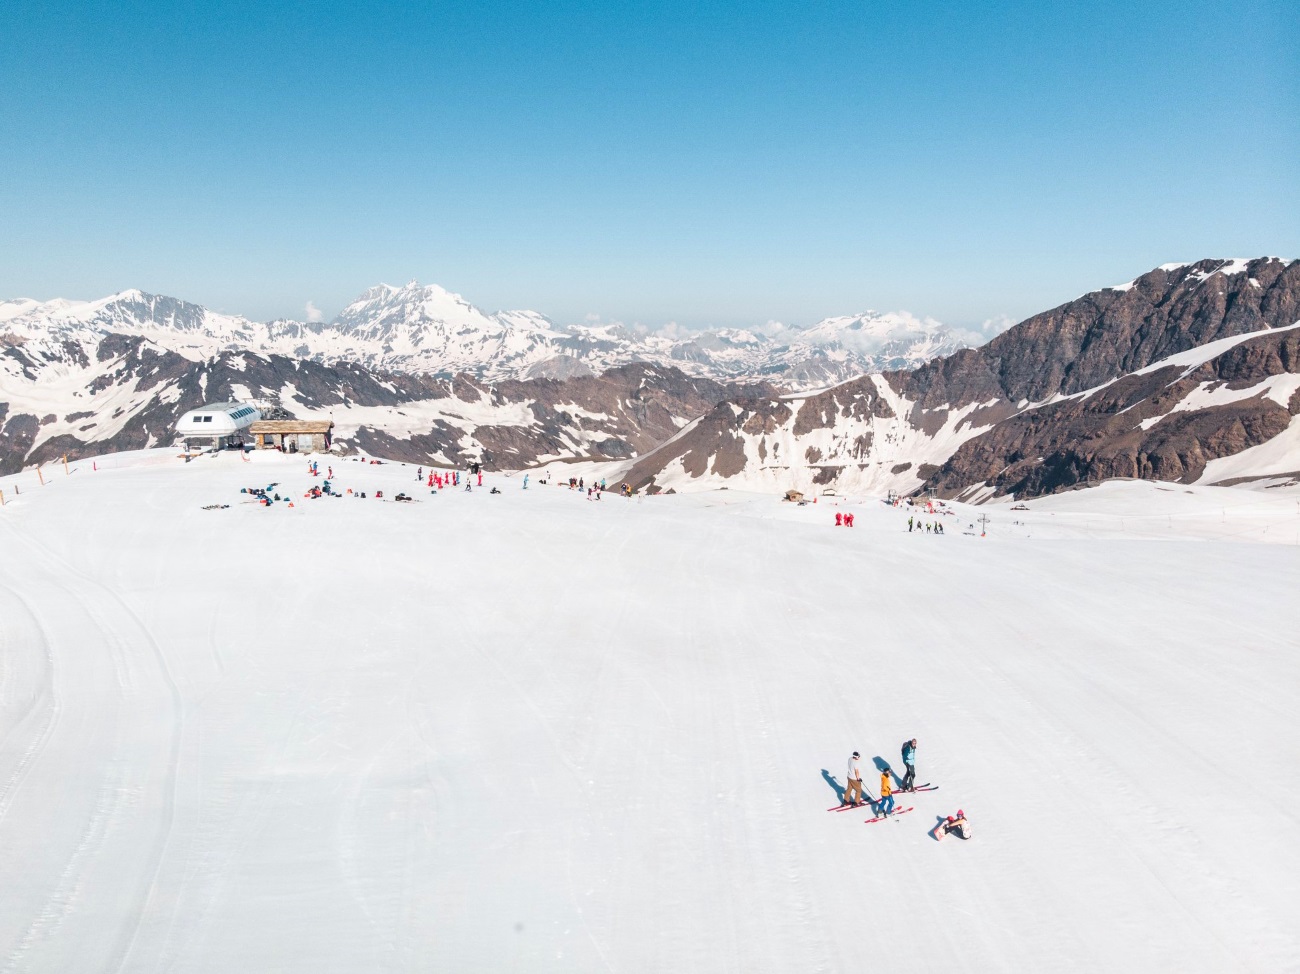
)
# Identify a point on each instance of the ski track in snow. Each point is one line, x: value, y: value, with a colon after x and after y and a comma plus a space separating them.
x: 43, y: 697
x: 125, y: 784
x: 535, y: 732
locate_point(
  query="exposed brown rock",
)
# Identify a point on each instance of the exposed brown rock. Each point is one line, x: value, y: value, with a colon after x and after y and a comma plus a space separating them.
x: 1109, y: 333
x: 1126, y: 427
x: 729, y: 459
x: 16, y: 438
x: 1090, y: 439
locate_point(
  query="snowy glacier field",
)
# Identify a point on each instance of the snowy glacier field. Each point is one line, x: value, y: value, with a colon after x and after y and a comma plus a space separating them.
x: 532, y: 732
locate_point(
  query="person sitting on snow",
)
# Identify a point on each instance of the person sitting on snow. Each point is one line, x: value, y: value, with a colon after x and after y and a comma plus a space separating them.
x: 955, y: 824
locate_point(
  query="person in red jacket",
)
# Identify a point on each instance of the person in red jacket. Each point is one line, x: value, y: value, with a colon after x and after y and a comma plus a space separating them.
x: 839, y: 519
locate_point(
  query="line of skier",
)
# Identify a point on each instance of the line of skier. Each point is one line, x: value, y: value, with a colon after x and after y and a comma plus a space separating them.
x: 935, y: 527
x: 442, y: 480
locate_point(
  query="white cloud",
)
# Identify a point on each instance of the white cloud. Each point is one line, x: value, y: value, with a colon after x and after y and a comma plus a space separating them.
x: 773, y: 329
x: 865, y: 333
x: 997, y: 325
x: 989, y: 329
x: 313, y: 313
x: 670, y: 330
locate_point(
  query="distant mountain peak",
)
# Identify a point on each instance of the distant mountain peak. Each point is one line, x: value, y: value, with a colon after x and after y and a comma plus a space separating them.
x: 419, y: 327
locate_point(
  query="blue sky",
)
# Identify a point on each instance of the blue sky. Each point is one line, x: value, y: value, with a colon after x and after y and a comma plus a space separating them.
x: 708, y: 164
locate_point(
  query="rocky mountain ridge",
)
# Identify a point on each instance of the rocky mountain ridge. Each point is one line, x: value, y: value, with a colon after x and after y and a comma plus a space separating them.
x: 1186, y: 365
x: 121, y: 392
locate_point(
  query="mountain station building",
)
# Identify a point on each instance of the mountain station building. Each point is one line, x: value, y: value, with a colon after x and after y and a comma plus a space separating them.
x: 293, y: 435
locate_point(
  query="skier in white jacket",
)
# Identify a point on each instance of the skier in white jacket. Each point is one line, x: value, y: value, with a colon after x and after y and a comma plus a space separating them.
x: 855, y: 782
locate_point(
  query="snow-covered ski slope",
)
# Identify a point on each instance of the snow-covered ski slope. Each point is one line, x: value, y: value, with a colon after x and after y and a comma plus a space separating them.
x: 531, y: 732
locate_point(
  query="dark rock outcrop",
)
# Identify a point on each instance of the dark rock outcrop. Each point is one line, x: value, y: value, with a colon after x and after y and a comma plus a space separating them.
x: 1013, y: 415
x: 1132, y: 427
x: 1113, y: 332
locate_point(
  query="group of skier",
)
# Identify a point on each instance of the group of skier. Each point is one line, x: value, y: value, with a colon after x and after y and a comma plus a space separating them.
x: 884, y: 806
x: 435, y: 480
x: 853, y: 793
x: 928, y: 527
x: 843, y: 520
x: 438, y: 481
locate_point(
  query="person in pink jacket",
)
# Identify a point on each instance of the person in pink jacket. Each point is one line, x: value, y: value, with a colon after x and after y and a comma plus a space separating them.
x: 954, y: 825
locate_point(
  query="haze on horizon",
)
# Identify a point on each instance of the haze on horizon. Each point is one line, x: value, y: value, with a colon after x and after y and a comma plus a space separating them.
x: 649, y: 162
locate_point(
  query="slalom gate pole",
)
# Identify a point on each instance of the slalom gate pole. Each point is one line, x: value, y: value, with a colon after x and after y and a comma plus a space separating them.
x: 39, y: 474
x: 66, y: 471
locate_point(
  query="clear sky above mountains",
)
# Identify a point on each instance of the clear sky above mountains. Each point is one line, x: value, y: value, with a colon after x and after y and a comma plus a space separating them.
x: 717, y: 164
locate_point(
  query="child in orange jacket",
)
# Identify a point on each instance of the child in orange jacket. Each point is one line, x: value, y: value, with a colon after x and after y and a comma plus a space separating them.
x: 886, y: 792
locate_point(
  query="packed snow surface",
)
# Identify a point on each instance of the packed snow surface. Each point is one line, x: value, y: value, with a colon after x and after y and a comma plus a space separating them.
x: 534, y: 732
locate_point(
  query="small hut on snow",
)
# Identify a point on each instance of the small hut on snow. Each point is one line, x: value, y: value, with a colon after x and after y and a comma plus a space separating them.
x: 293, y: 435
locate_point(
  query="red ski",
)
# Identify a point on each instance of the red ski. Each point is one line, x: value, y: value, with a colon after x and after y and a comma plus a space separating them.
x: 897, y: 811
x: 925, y: 787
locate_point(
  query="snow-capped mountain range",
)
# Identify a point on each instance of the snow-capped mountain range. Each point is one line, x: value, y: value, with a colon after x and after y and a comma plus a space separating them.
x: 1191, y: 373
x: 427, y: 329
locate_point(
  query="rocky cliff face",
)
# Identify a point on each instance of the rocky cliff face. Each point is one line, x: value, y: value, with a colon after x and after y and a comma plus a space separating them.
x: 1114, y: 331
x: 1166, y: 423
x: 1155, y: 378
